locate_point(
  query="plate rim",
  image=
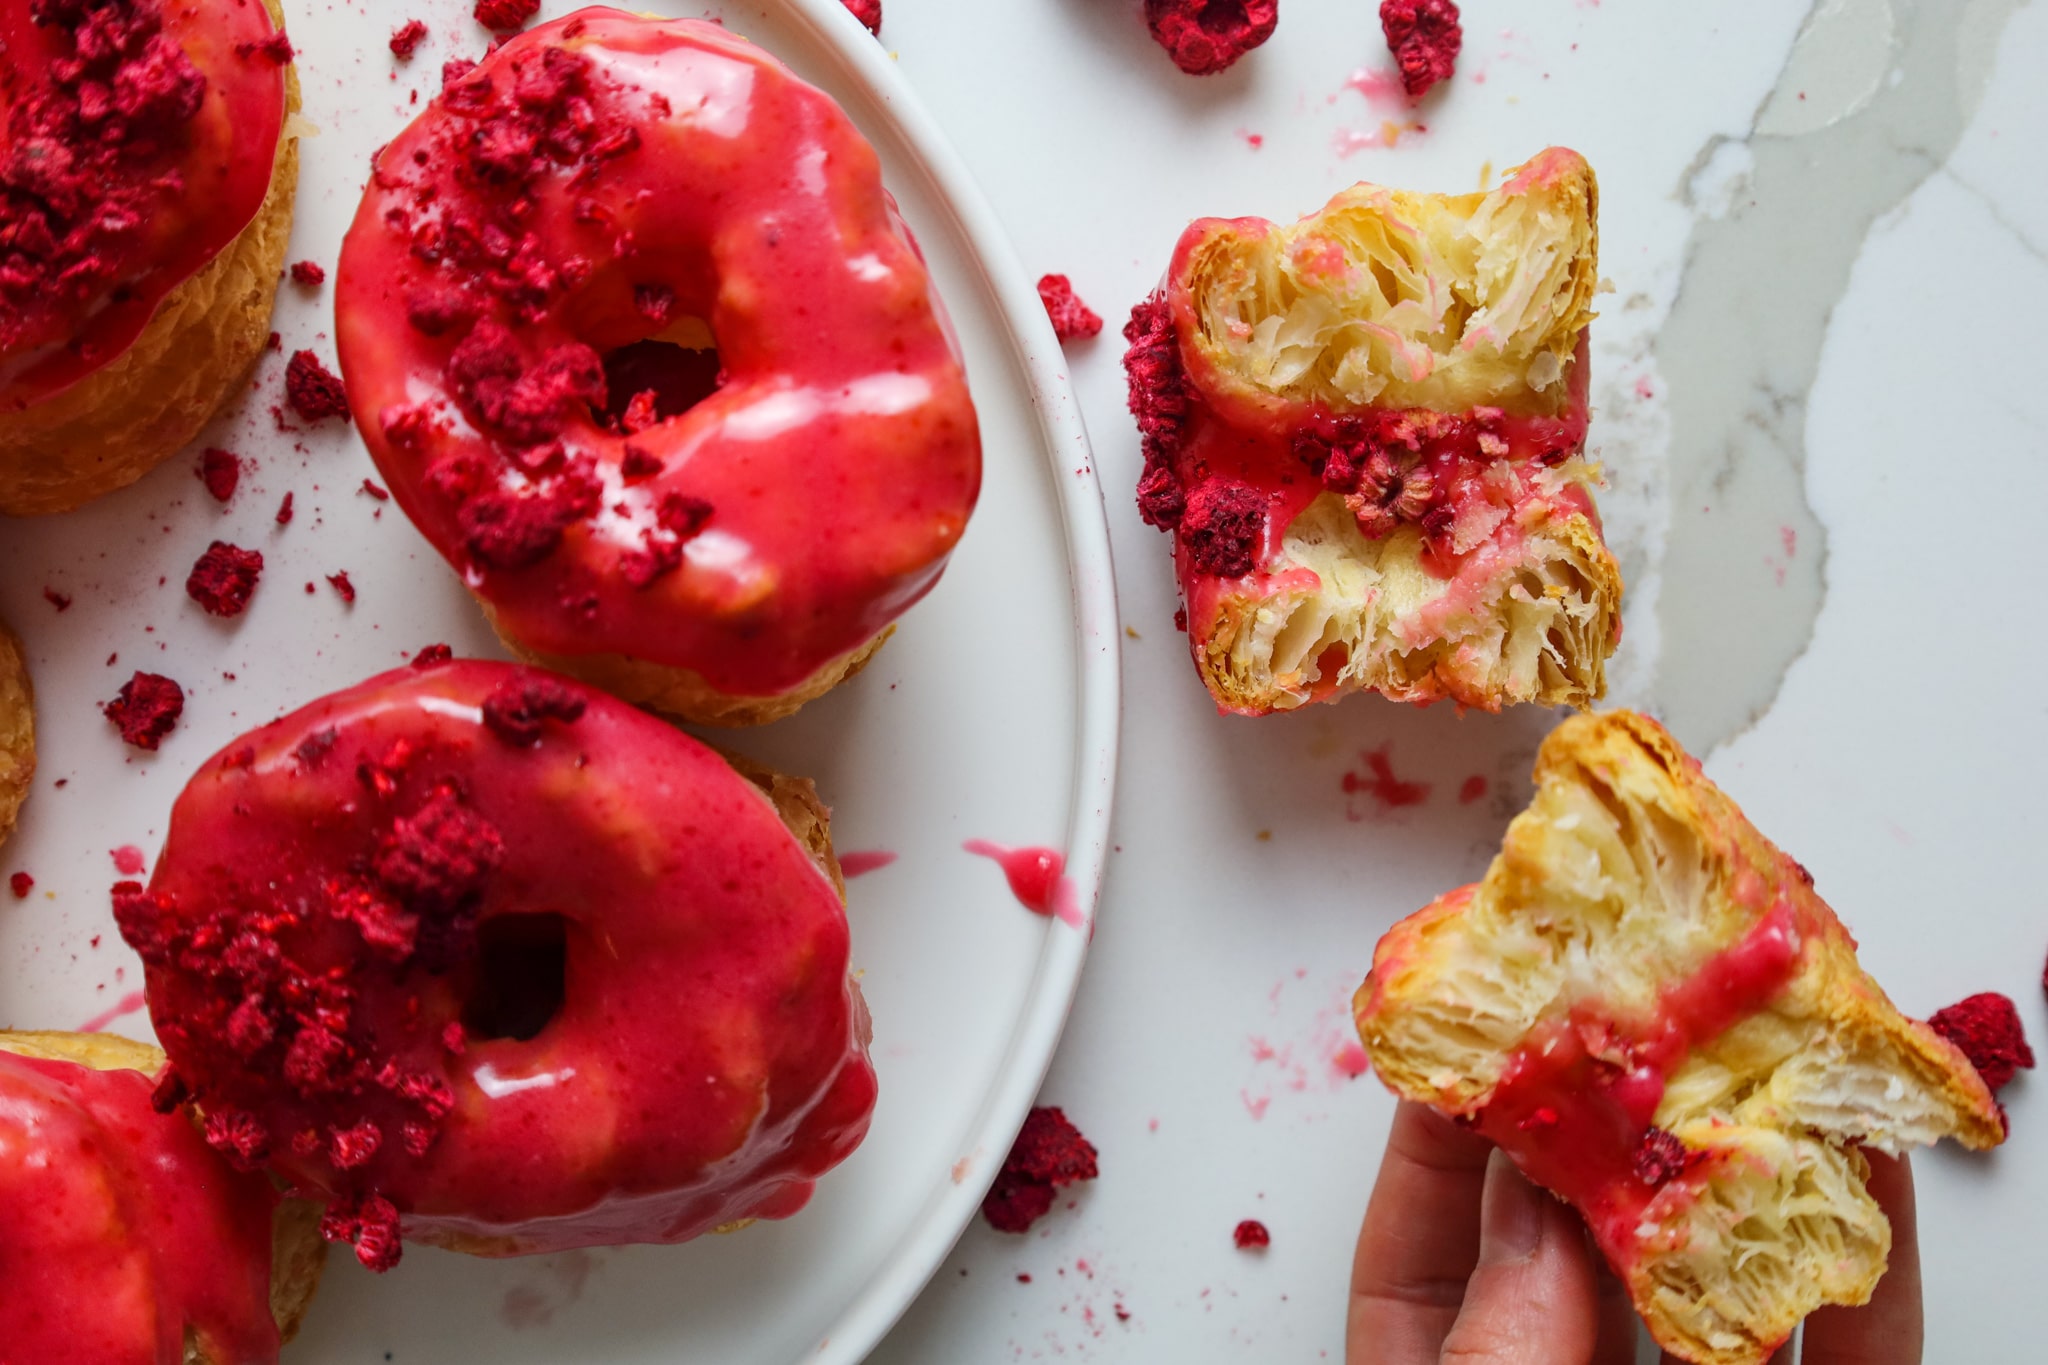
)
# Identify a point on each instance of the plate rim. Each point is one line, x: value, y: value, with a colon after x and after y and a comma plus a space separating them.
x: 915, y: 1257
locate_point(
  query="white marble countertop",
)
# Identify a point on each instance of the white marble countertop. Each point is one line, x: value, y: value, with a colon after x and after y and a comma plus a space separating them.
x: 1818, y: 402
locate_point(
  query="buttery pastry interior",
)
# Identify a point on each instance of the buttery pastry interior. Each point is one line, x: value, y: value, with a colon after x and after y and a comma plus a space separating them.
x: 1629, y: 881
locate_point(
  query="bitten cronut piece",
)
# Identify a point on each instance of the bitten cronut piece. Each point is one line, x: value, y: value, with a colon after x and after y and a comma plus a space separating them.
x: 1648, y: 1007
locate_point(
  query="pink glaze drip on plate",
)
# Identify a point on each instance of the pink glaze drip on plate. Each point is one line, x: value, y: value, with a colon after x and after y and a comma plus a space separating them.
x: 860, y: 862
x: 127, y: 1004
x: 1037, y: 878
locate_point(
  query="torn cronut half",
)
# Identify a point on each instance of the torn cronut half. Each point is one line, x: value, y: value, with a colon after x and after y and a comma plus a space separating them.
x: 1645, y: 1005
x: 1366, y: 432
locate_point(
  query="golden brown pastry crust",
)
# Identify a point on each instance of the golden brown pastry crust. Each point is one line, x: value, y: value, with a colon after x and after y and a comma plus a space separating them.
x: 682, y: 692
x: 125, y: 419
x: 17, y: 730
x: 296, y: 1249
x: 1626, y: 873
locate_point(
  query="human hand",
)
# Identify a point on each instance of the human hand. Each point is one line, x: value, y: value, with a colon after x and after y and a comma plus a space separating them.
x: 1462, y: 1261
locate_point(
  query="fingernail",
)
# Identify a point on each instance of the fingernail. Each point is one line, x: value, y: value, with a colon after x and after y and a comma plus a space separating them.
x: 1511, y: 1221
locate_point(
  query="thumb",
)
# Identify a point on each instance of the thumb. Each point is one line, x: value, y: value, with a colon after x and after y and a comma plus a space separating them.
x: 1532, y: 1299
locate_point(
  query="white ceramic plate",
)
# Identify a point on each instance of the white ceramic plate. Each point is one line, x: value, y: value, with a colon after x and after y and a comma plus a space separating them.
x: 992, y: 715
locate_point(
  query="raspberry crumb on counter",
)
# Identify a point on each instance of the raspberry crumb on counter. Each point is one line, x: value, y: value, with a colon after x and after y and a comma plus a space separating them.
x: 869, y: 12
x: 1071, y: 318
x: 340, y: 583
x: 309, y: 274
x: 223, y: 578
x: 1986, y: 1026
x: 1049, y: 1153
x: 61, y: 601
x: 21, y: 884
x: 313, y: 390
x: 1250, y: 1235
x: 503, y: 16
x: 1424, y: 36
x: 407, y: 38
x: 376, y: 490
x: 220, y: 470
x: 1206, y: 36
x: 284, y: 511
x: 147, y: 709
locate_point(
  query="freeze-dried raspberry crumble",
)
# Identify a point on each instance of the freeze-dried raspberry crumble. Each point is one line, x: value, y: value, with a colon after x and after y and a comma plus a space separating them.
x: 1222, y: 527
x: 147, y: 709
x: 314, y: 391
x: 1986, y: 1026
x: 224, y: 578
x: 308, y: 273
x: 284, y: 511
x: 503, y: 16
x: 406, y: 40
x: 869, y: 12
x: 1048, y: 1154
x: 1660, y: 1157
x: 1250, y: 1235
x: 1071, y: 318
x: 1206, y: 36
x: 340, y: 583
x: 220, y: 470
x: 1424, y: 36
x: 21, y: 884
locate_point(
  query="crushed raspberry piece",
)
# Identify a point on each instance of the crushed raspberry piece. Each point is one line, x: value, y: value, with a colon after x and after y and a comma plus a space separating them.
x: 276, y: 49
x: 639, y: 464
x: 1250, y: 1235
x: 1071, y: 318
x: 340, y: 583
x: 436, y: 863
x: 1986, y: 1026
x: 21, y: 884
x: 1206, y: 36
x: 284, y: 511
x: 220, y: 471
x: 147, y: 709
x: 407, y: 38
x: 376, y: 490
x: 1159, y: 400
x: 314, y: 391
x: 238, y: 1136
x: 309, y: 274
x: 224, y: 578
x: 869, y: 12
x: 1222, y: 527
x: 61, y: 601
x: 431, y: 655
x: 1424, y: 36
x: 1660, y: 1157
x: 1048, y: 1154
x: 170, y: 1092
x: 372, y: 1224
x: 516, y: 708
x: 503, y: 16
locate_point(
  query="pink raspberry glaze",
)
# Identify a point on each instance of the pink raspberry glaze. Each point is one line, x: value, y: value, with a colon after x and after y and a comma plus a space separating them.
x: 345, y: 868
x: 121, y: 209
x: 119, y: 1228
x: 679, y: 172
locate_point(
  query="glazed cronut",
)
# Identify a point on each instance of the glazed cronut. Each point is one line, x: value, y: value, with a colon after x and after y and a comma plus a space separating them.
x: 1627, y: 872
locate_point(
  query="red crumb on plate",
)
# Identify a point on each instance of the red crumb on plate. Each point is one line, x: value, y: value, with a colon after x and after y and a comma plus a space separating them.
x: 1986, y: 1026
x: 1471, y: 789
x: 1379, y: 782
x: 343, y: 586
x: 223, y: 578
x: 309, y: 274
x: 1206, y: 36
x: 376, y: 490
x: 431, y: 655
x: 61, y: 601
x: 1071, y: 318
x: 1250, y: 1235
x: 407, y: 39
x: 21, y: 884
x: 869, y: 12
x: 1049, y: 1153
x: 284, y: 511
x: 1424, y: 36
x: 147, y: 709
x: 128, y: 860
x: 313, y: 390
x: 220, y: 470
x: 502, y: 16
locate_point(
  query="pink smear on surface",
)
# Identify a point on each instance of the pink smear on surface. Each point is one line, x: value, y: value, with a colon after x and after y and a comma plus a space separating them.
x: 1255, y: 1105
x: 863, y: 861
x: 1381, y: 88
x: 1037, y: 878
x: 1788, y: 536
x: 1471, y: 789
x: 1380, y: 783
x: 1643, y: 388
x: 1251, y: 139
x: 127, y: 1004
x: 1351, y: 141
x: 128, y: 860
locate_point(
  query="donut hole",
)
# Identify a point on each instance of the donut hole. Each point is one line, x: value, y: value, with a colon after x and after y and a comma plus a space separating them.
x: 678, y: 376
x: 522, y: 968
